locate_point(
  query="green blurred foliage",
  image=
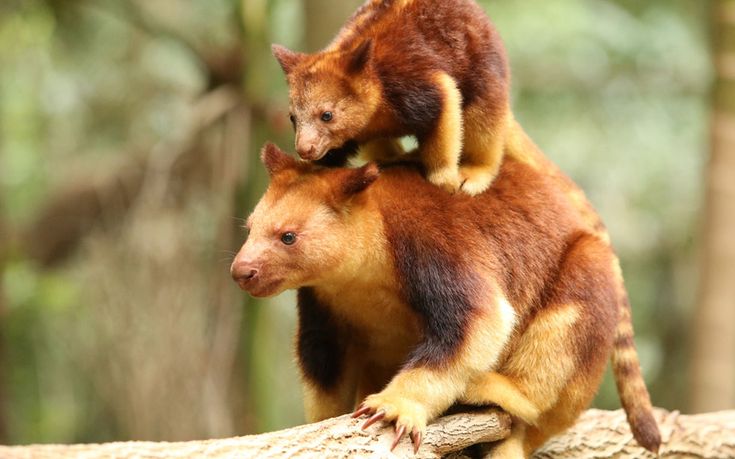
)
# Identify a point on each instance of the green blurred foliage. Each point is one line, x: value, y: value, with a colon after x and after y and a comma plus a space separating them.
x: 617, y: 94
x: 614, y: 91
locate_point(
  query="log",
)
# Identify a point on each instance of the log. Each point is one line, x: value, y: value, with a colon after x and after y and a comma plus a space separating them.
x: 337, y: 437
x: 597, y: 434
x: 605, y: 434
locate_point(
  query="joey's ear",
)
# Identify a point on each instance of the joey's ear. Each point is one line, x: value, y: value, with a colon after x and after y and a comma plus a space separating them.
x: 361, y: 56
x: 276, y: 160
x: 357, y: 180
x: 287, y: 58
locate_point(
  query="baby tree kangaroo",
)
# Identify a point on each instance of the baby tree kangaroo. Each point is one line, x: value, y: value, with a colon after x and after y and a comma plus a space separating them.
x: 407, y: 306
x: 434, y: 69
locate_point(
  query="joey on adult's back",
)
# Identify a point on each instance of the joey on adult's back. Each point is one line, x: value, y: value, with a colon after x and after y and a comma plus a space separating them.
x: 432, y: 69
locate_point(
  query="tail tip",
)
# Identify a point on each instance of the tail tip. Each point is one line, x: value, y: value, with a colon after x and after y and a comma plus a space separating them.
x: 647, y: 434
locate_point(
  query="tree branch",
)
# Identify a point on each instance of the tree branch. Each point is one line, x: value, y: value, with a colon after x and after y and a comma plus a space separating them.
x: 607, y: 434
x: 337, y: 437
x: 598, y: 434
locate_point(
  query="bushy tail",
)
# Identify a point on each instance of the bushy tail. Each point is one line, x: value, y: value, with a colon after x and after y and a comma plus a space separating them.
x: 631, y: 387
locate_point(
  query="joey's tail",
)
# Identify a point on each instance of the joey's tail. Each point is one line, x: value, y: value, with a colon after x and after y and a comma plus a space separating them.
x: 631, y: 387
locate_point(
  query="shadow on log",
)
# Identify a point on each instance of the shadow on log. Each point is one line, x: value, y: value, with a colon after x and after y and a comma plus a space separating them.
x: 597, y: 434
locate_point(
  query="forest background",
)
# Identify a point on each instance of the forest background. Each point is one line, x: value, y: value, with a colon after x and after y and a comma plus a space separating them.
x: 129, y: 139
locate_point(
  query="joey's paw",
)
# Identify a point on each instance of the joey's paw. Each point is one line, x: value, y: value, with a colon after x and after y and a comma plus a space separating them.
x: 475, y: 179
x: 407, y: 415
x: 447, y: 178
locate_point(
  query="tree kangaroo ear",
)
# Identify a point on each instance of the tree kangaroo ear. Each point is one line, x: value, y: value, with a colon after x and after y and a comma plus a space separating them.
x: 276, y: 160
x: 359, y: 179
x: 287, y: 58
x: 361, y: 56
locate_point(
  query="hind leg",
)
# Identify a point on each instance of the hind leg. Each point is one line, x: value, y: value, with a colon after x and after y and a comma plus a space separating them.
x: 440, y: 149
x: 558, y: 360
x: 495, y: 389
x: 484, y: 142
x: 382, y: 150
x: 528, y: 385
x: 513, y: 446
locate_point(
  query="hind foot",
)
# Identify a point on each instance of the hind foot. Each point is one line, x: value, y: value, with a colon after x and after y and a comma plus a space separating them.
x: 476, y: 179
x: 446, y: 178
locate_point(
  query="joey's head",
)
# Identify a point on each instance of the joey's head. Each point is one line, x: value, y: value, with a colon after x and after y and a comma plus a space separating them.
x: 333, y: 96
x: 306, y: 229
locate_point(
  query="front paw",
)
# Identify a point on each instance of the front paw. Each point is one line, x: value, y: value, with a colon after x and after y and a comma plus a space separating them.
x: 407, y: 415
x: 446, y: 178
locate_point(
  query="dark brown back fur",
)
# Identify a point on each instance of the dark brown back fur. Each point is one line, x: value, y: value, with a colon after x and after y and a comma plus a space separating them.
x: 413, y: 42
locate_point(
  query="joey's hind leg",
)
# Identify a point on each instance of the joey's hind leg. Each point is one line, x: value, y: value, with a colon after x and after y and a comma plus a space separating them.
x: 381, y: 150
x: 440, y: 149
x: 484, y: 142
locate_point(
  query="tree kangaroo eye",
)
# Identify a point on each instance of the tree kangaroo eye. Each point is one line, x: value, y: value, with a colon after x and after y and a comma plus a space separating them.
x: 288, y: 238
x: 327, y: 116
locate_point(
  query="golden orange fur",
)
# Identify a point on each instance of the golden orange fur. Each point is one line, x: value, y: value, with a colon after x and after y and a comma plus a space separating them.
x: 412, y: 299
x: 433, y: 69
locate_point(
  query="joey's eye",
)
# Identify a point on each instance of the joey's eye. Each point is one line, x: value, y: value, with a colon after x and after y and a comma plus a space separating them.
x: 327, y: 116
x: 288, y: 238
x: 293, y: 120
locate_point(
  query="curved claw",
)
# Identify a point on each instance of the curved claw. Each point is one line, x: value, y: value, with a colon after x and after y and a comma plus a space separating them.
x: 399, y: 434
x: 416, y: 438
x: 362, y: 409
x: 375, y: 418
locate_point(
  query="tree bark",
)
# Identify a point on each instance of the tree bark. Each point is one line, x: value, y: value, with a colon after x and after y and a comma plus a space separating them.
x: 606, y: 434
x: 713, y: 357
x: 598, y: 434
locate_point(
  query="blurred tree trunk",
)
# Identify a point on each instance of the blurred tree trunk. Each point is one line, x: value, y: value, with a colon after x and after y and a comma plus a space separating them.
x: 323, y: 18
x: 713, y: 359
x: 4, y: 240
x: 229, y: 172
x: 254, y: 19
